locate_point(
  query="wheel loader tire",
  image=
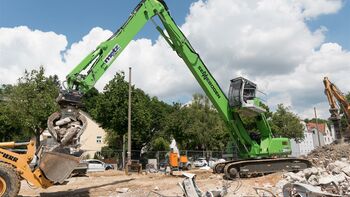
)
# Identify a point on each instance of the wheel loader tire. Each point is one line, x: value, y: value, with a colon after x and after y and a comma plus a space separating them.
x: 9, y: 181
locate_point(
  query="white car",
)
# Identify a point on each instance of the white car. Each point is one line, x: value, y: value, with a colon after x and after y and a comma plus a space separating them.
x: 200, y: 162
x: 95, y: 165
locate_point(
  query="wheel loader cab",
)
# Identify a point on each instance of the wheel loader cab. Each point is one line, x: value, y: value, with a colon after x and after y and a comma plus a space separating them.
x: 242, y: 97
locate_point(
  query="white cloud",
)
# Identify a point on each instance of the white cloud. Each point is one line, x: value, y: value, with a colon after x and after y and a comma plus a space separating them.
x: 314, y: 8
x: 22, y: 48
x: 265, y: 40
x: 79, y: 50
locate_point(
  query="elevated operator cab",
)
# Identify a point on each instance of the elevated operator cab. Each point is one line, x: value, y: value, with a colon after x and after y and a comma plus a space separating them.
x: 242, y: 97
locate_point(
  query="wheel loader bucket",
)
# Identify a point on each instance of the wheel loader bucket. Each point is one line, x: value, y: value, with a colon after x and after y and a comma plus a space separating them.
x: 58, y: 166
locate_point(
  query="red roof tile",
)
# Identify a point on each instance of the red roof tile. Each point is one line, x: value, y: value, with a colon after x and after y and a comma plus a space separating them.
x: 321, y: 127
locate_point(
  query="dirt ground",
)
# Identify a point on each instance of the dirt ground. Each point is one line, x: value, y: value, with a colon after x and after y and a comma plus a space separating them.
x: 111, y: 183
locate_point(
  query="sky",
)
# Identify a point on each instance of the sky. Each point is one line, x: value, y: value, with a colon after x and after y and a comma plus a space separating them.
x: 285, y: 46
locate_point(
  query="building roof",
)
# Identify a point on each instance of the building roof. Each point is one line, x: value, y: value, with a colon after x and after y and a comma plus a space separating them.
x: 321, y: 127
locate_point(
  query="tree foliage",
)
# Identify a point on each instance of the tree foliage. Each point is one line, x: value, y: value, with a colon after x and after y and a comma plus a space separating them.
x: 155, y: 123
x: 9, y: 130
x: 110, y: 109
x: 285, y: 123
x: 28, y: 104
x: 197, y: 126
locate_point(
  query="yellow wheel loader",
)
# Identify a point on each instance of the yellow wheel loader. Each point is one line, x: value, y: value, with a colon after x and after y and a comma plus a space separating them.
x: 50, y: 167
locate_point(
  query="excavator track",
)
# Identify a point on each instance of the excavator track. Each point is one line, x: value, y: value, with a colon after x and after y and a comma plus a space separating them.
x: 246, y: 168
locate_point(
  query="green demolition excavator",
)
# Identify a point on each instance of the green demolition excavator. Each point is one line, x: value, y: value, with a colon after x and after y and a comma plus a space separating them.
x: 263, y: 155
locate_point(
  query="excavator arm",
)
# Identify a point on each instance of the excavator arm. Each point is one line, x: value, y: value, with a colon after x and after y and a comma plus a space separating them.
x: 84, y: 76
x: 336, y: 98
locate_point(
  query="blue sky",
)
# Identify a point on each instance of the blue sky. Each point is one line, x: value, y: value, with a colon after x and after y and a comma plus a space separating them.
x: 65, y: 18
x: 338, y: 25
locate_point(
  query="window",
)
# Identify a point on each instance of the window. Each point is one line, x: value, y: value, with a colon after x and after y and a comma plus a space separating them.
x: 99, y: 139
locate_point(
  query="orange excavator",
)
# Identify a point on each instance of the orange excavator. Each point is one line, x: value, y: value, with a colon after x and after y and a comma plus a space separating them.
x: 338, y: 103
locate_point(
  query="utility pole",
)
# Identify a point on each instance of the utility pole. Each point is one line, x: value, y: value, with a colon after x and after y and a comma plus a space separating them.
x: 318, y: 133
x: 129, y: 122
x: 123, y: 154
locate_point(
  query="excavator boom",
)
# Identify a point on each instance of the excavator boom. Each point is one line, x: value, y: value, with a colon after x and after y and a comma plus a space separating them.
x: 67, y: 125
x: 95, y: 64
x: 336, y: 98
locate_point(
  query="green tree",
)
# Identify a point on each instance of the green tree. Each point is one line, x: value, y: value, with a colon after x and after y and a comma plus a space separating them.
x: 197, y: 126
x: 9, y: 130
x: 89, y: 100
x: 110, y: 109
x: 160, y: 144
x: 313, y: 120
x: 285, y: 123
x: 32, y: 101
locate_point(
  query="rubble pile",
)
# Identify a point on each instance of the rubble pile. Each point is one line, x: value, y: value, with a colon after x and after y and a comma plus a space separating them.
x: 324, y: 155
x: 334, y: 178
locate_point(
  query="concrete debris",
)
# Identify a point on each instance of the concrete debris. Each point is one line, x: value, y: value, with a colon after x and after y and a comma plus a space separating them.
x: 122, y: 190
x: 304, y: 190
x: 322, y: 156
x: 63, y: 121
x: 334, y: 178
x: 205, y: 168
x: 190, y: 188
x: 151, y: 168
x: 346, y: 170
x: 313, y: 180
x: 67, y: 130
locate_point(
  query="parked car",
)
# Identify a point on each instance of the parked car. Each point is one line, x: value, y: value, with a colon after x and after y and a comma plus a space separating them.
x: 95, y: 165
x: 200, y: 162
x: 81, y: 169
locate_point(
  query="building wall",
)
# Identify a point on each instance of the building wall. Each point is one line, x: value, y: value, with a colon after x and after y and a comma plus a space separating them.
x: 311, y: 141
x: 304, y: 147
x: 317, y: 142
x: 307, y: 145
x: 295, y: 148
x: 93, y: 138
x: 329, y: 135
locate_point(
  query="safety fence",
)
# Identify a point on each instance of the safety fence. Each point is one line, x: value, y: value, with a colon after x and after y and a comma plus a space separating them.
x: 116, y: 156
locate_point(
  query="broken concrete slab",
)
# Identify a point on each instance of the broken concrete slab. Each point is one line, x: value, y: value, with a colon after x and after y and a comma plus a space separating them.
x: 335, y: 175
x: 313, y: 180
x: 63, y: 121
x: 346, y: 170
x: 326, y: 180
x: 122, y: 190
x: 300, y: 189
